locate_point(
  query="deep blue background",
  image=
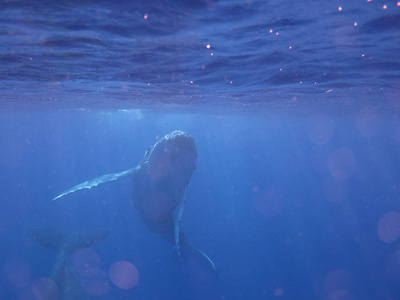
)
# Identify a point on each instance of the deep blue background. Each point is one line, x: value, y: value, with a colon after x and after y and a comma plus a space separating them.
x: 287, y: 254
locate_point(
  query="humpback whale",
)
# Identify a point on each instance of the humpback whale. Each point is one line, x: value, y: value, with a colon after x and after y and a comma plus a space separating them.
x: 159, y: 185
x: 63, y: 273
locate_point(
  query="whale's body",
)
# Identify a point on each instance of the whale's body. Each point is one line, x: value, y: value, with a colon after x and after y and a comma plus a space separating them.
x: 159, y: 185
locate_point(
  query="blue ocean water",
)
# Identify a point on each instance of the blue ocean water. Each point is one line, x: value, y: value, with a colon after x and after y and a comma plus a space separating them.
x: 294, y: 108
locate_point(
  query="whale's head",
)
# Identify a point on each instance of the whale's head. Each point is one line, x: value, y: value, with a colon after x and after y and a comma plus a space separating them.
x: 172, y: 158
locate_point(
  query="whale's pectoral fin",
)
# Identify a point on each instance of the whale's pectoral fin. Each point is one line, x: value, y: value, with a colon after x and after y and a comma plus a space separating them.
x: 177, y: 224
x: 97, y: 181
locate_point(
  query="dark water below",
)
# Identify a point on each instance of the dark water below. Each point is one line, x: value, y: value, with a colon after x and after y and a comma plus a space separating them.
x: 294, y: 107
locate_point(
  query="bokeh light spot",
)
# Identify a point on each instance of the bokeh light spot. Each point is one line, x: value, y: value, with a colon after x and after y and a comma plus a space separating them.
x: 368, y: 122
x: 279, y: 292
x: 44, y: 288
x: 17, y: 272
x: 337, y: 280
x: 389, y: 227
x: 86, y: 262
x: 123, y: 274
x: 341, y: 163
x: 341, y: 295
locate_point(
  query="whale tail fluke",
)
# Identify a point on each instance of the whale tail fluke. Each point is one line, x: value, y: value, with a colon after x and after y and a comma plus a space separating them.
x: 86, y: 238
x: 50, y: 238
x: 63, y: 273
x: 60, y: 241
